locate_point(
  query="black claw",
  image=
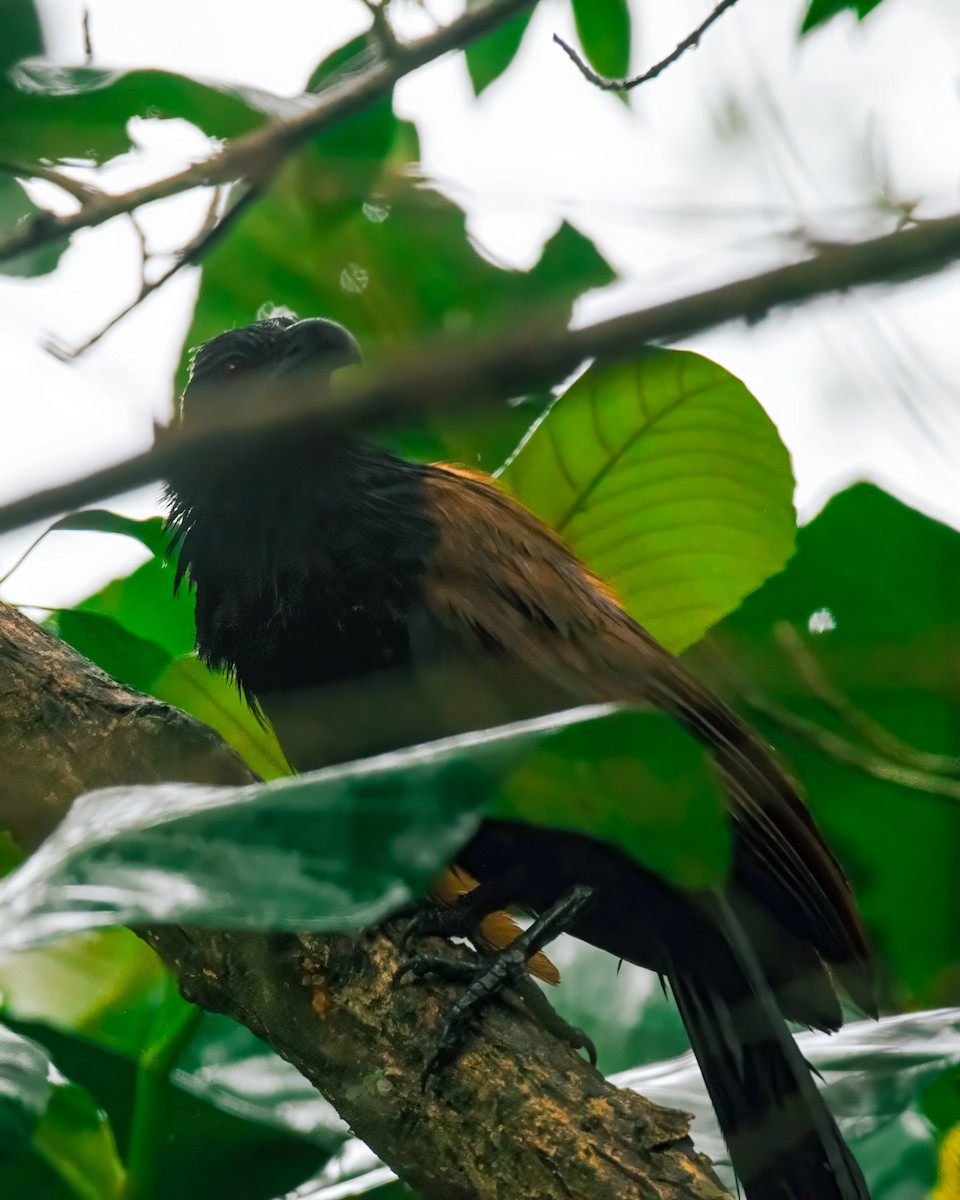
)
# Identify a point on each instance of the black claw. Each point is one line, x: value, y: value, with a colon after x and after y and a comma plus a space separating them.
x: 488, y: 977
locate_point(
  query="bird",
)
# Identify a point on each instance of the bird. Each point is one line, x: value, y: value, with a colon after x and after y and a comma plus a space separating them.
x: 364, y: 602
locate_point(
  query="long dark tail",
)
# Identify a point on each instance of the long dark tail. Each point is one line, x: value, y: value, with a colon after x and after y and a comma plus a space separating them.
x: 783, y: 1142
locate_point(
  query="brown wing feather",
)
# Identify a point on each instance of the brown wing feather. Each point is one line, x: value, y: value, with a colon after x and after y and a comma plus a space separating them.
x: 499, y: 575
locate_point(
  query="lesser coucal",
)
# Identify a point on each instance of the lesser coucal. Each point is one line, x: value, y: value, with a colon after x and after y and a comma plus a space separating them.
x: 367, y: 603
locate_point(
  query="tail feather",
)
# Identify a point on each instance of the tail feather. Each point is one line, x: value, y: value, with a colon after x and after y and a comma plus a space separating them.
x: 783, y: 1142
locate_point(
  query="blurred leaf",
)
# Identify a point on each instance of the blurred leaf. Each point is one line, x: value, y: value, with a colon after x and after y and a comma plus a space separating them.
x: 22, y: 33
x: 50, y: 112
x: 358, y: 145
x: 298, y: 853
x: 873, y: 597
x: 213, y: 699
x: 16, y: 206
x: 25, y: 1089
x: 873, y: 1075
x: 603, y: 27
x: 225, y: 1065
x: 670, y: 481
x: 820, y: 11
x: 108, y: 987
x: 294, y: 854
x: 44, y: 1114
x: 199, y: 1139
x: 636, y: 780
x: 489, y: 57
x: 132, y: 660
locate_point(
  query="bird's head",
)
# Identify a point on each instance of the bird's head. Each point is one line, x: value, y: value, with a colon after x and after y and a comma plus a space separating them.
x: 268, y: 349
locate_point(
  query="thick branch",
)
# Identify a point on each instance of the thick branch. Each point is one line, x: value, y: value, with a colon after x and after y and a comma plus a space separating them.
x: 520, y: 1115
x: 258, y: 155
x: 451, y: 374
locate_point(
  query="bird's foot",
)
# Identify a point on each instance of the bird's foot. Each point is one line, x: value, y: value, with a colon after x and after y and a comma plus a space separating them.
x: 489, y: 976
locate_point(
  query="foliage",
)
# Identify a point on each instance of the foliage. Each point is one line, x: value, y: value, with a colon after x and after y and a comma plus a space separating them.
x: 667, y: 477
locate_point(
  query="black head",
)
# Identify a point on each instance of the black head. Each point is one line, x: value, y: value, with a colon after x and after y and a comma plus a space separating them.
x: 266, y: 349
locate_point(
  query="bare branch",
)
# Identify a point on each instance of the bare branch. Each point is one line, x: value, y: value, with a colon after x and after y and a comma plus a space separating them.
x: 257, y: 156
x: 79, y: 189
x: 450, y: 374
x: 626, y: 85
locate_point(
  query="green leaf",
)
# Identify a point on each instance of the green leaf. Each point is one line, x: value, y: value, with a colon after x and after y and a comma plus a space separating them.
x: 45, y: 1114
x: 489, y: 57
x: 144, y: 604
x: 132, y: 660
x: 107, y: 987
x: 635, y: 780
x: 334, y: 849
x: 821, y: 11
x: 50, y: 112
x: 872, y: 600
x: 603, y: 27
x: 22, y: 33
x: 213, y: 699
x: 670, y: 481
x: 341, y: 847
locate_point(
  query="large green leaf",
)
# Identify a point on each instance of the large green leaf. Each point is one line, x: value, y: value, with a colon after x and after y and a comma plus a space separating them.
x: 670, y: 481
x: 603, y: 27
x: 821, y: 11
x: 44, y: 1115
x: 341, y: 847
x: 871, y: 599
x: 488, y: 57
x: 16, y: 206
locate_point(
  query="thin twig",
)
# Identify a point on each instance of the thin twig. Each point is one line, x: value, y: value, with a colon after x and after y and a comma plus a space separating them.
x: 257, y: 156
x: 626, y: 85
x: 850, y: 755
x: 450, y: 373
x: 887, y: 744
x: 210, y: 232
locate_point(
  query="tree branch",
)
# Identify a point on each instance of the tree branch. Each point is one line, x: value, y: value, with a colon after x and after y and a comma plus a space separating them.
x: 450, y: 374
x: 690, y: 42
x: 520, y: 1114
x: 257, y: 156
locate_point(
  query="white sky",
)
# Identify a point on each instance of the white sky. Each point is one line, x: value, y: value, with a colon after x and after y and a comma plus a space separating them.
x: 720, y: 168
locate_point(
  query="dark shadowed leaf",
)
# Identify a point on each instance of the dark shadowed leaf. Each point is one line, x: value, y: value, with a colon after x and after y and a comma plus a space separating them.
x: 603, y: 27
x: 489, y: 57
x: 132, y: 660
x: 820, y: 11
x: 872, y: 599
x: 635, y: 780
x: 669, y: 480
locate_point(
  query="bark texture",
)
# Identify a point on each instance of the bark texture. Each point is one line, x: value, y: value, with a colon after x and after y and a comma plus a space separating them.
x: 519, y: 1116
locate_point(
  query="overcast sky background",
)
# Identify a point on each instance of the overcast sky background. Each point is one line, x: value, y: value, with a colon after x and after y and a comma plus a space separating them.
x: 731, y: 162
